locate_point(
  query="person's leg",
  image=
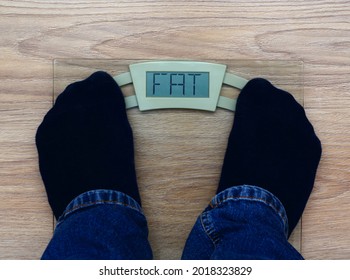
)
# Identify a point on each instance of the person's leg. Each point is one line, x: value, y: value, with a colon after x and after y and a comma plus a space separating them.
x: 100, y: 224
x: 240, y: 223
x: 86, y: 160
x: 272, y: 145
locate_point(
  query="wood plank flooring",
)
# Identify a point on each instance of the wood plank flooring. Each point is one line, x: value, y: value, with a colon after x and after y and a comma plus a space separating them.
x: 34, y: 33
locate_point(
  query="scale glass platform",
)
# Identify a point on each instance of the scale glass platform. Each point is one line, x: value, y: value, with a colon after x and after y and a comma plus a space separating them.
x: 181, y: 113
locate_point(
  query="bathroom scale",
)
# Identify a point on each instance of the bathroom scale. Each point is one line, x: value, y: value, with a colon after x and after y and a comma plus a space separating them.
x: 181, y: 112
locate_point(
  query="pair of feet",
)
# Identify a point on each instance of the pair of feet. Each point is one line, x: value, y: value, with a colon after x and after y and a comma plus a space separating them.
x: 85, y: 142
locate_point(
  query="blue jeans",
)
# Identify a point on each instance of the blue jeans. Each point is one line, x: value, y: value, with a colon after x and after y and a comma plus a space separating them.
x: 243, y: 222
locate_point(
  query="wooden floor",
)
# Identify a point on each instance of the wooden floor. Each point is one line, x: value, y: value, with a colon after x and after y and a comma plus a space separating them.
x: 34, y: 33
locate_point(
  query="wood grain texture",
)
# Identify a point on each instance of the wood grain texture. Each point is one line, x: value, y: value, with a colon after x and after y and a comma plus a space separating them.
x: 33, y: 33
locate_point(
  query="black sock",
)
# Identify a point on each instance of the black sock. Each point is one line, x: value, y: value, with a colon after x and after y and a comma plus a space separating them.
x: 272, y: 145
x: 85, y: 142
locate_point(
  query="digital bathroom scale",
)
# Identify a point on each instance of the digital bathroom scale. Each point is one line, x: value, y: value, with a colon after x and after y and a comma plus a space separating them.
x: 181, y: 115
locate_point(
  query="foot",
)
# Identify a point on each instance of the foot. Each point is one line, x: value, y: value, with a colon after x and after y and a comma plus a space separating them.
x: 272, y: 145
x: 85, y: 143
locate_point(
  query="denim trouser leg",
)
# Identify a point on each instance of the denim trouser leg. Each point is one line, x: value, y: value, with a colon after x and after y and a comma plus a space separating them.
x: 243, y: 222
x: 100, y: 224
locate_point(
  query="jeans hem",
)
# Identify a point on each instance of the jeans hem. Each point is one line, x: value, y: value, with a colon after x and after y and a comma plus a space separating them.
x: 99, y: 197
x: 251, y: 193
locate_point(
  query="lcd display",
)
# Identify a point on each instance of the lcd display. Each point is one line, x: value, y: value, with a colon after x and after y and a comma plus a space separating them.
x: 177, y: 84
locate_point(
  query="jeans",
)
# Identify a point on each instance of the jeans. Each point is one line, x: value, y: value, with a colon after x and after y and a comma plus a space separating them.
x: 242, y: 222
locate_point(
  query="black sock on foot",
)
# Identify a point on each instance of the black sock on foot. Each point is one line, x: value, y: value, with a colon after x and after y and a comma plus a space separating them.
x: 272, y: 145
x: 85, y: 142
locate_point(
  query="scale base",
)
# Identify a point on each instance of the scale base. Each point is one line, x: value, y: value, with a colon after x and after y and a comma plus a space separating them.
x: 178, y: 164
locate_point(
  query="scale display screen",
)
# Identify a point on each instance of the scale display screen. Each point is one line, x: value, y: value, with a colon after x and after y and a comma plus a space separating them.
x: 177, y: 84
